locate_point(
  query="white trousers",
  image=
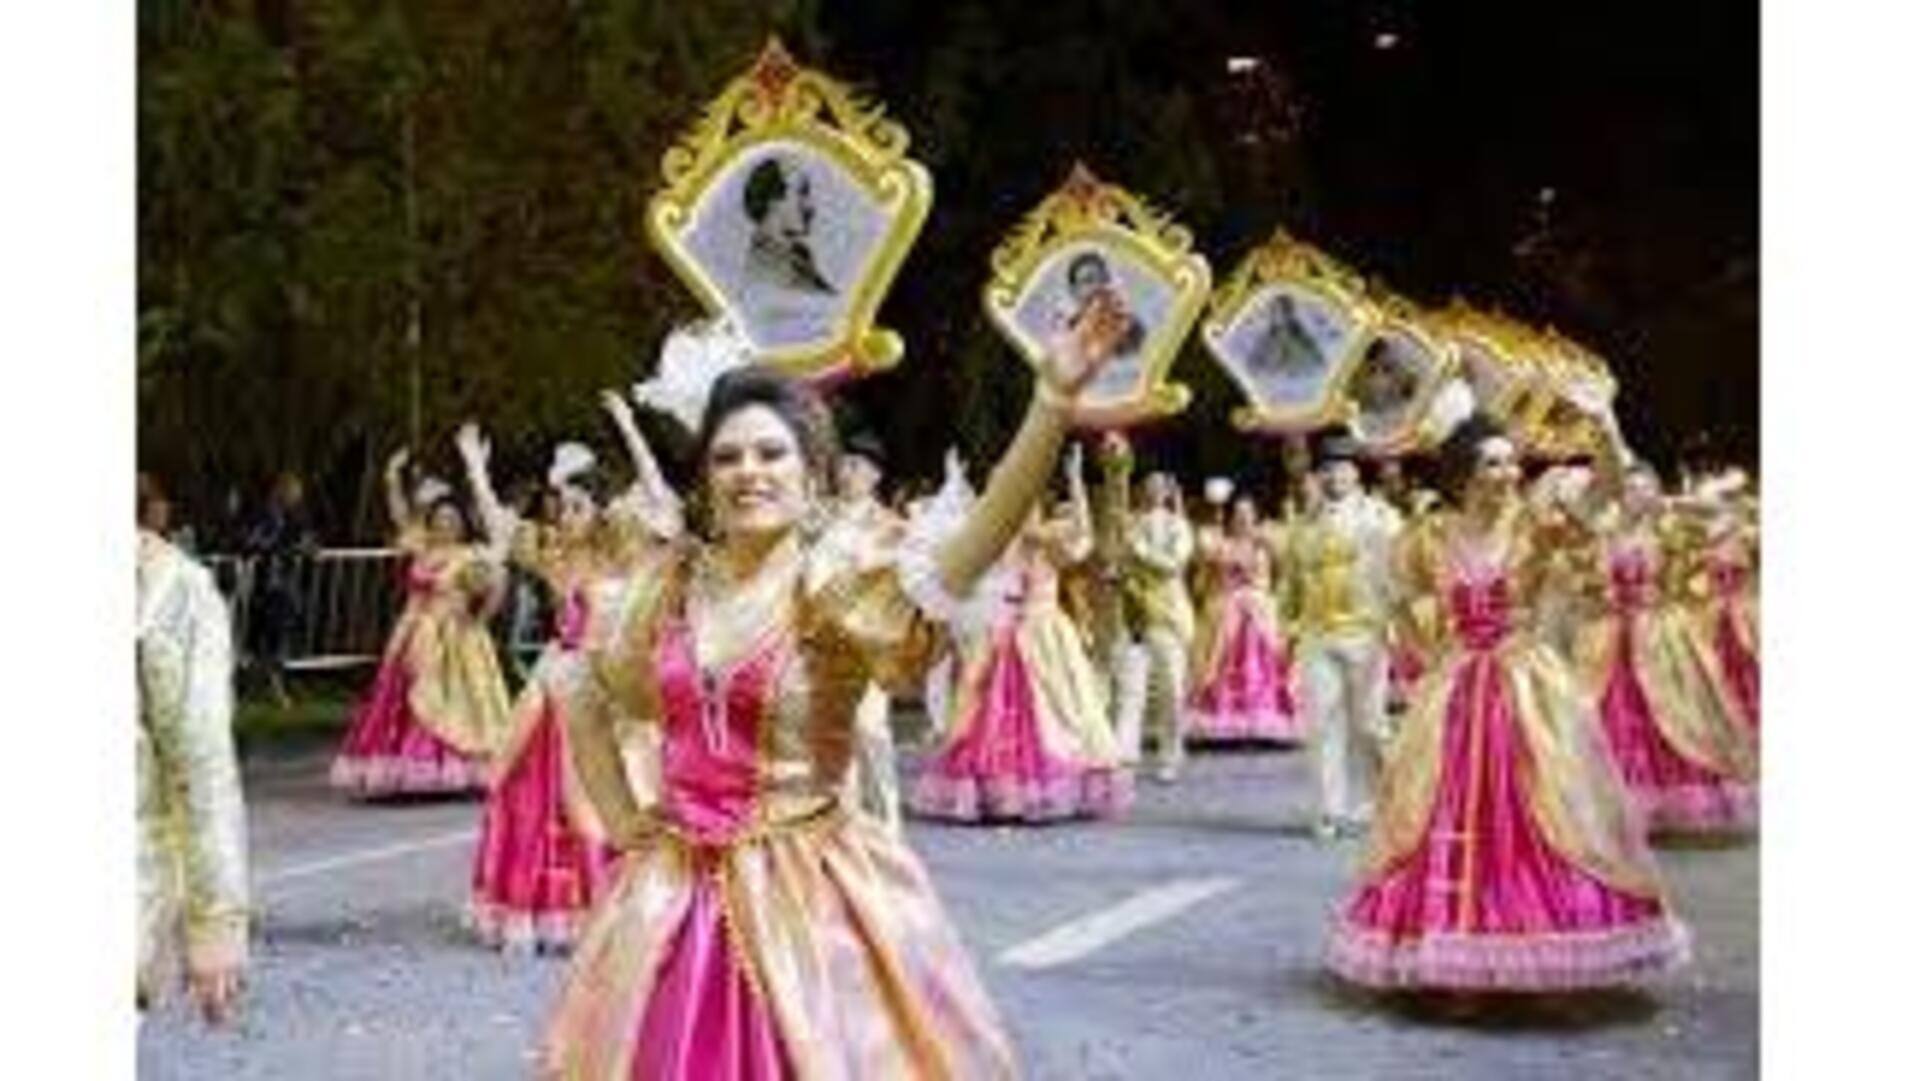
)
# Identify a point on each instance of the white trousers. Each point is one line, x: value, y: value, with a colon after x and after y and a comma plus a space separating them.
x: 1344, y: 677
x: 1126, y: 675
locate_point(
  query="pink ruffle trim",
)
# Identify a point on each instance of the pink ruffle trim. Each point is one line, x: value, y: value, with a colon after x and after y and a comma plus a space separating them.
x: 1725, y: 806
x: 507, y: 929
x: 1543, y: 962
x: 1270, y: 724
x: 1095, y: 793
x: 386, y: 776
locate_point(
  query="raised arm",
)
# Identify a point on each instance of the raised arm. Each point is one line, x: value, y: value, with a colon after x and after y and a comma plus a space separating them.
x: 1022, y: 472
x: 658, y: 503
x: 399, y: 508
x: 475, y: 452
x: 1080, y: 540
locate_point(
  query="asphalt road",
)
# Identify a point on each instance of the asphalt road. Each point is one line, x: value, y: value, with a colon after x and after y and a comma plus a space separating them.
x: 1180, y: 943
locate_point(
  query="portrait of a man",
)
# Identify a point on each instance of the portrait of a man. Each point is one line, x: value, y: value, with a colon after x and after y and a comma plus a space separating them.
x: 786, y: 236
x: 1385, y: 384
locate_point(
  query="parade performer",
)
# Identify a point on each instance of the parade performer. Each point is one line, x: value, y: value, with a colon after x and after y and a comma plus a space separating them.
x: 1339, y: 555
x: 192, y: 830
x: 859, y: 521
x: 541, y: 859
x: 1506, y: 854
x: 1686, y: 756
x: 1724, y: 597
x: 1097, y: 594
x: 756, y: 929
x: 438, y: 706
x: 1028, y: 737
x: 1159, y: 549
x: 1241, y: 667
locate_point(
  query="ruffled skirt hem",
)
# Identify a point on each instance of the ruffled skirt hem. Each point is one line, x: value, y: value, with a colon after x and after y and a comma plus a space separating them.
x: 1271, y: 725
x: 1725, y: 806
x: 1545, y: 961
x: 1093, y: 793
x: 386, y: 775
x: 502, y: 927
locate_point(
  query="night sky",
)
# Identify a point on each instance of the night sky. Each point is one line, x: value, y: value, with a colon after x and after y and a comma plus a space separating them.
x: 1589, y: 166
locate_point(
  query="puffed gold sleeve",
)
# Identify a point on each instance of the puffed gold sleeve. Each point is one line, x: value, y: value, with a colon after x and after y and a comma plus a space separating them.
x: 869, y: 612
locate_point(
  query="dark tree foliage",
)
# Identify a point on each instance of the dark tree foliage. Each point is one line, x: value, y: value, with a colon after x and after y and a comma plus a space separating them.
x: 335, y: 195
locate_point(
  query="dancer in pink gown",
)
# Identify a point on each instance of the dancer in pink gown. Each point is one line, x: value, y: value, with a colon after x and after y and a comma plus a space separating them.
x: 1505, y: 854
x: 1028, y: 737
x: 1688, y: 758
x: 756, y: 928
x: 438, y: 705
x: 541, y: 860
x: 1242, y: 668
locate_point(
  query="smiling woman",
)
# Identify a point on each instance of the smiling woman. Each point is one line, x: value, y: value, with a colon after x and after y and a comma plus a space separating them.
x: 744, y: 931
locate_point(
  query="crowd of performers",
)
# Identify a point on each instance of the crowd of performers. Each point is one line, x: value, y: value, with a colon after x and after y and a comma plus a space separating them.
x: 1507, y: 683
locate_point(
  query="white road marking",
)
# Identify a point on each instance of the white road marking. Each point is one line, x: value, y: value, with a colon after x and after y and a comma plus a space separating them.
x: 366, y: 855
x: 1094, y: 931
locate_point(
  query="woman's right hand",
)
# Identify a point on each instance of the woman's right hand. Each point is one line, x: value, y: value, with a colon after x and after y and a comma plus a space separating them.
x: 1077, y: 355
x: 472, y: 445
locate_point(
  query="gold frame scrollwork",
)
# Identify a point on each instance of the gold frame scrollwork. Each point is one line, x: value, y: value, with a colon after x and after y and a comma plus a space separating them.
x: 1498, y: 338
x: 1558, y: 430
x: 1398, y: 315
x: 778, y: 101
x: 1284, y: 260
x: 1086, y: 210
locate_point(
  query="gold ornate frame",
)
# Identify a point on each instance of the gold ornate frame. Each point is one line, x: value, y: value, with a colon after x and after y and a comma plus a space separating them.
x: 1085, y: 210
x: 1558, y: 430
x: 1286, y: 261
x: 1500, y: 340
x: 776, y: 100
x: 1397, y: 315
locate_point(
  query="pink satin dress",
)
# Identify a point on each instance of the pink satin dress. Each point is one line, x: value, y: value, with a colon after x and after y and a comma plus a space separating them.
x: 1506, y: 855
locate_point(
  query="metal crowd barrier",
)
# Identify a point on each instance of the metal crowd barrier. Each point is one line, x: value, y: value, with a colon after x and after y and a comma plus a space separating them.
x: 346, y: 602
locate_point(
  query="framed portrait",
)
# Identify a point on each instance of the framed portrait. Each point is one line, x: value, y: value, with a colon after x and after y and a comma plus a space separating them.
x: 1491, y: 357
x: 1559, y: 429
x: 788, y: 210
x: 1402, y: 365
x: 1087, y: 239
x: 1287, y: 327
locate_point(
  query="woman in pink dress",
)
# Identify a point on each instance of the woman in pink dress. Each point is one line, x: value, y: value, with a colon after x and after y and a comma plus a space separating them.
x: 756, y: 927
x: 1028, y: 738
x: 438, y: 704
x: 1241, y: 667
x: 541, y: 860
x: 1726, y: 604
x: 1505, y: 854
x: 1670, y: 722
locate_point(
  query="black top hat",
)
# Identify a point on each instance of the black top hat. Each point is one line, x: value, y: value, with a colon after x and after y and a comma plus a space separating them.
x: 1335, y: 446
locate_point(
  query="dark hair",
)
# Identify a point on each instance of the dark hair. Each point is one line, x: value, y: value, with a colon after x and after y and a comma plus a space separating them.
x: 466, y: 527
x: 592, y: 481
x: 766, y: 185
x: 1088, y: 258
x: 863, y: 444
x: 793, y: 401
x: 1459, y: 454
x: 147, y: 495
